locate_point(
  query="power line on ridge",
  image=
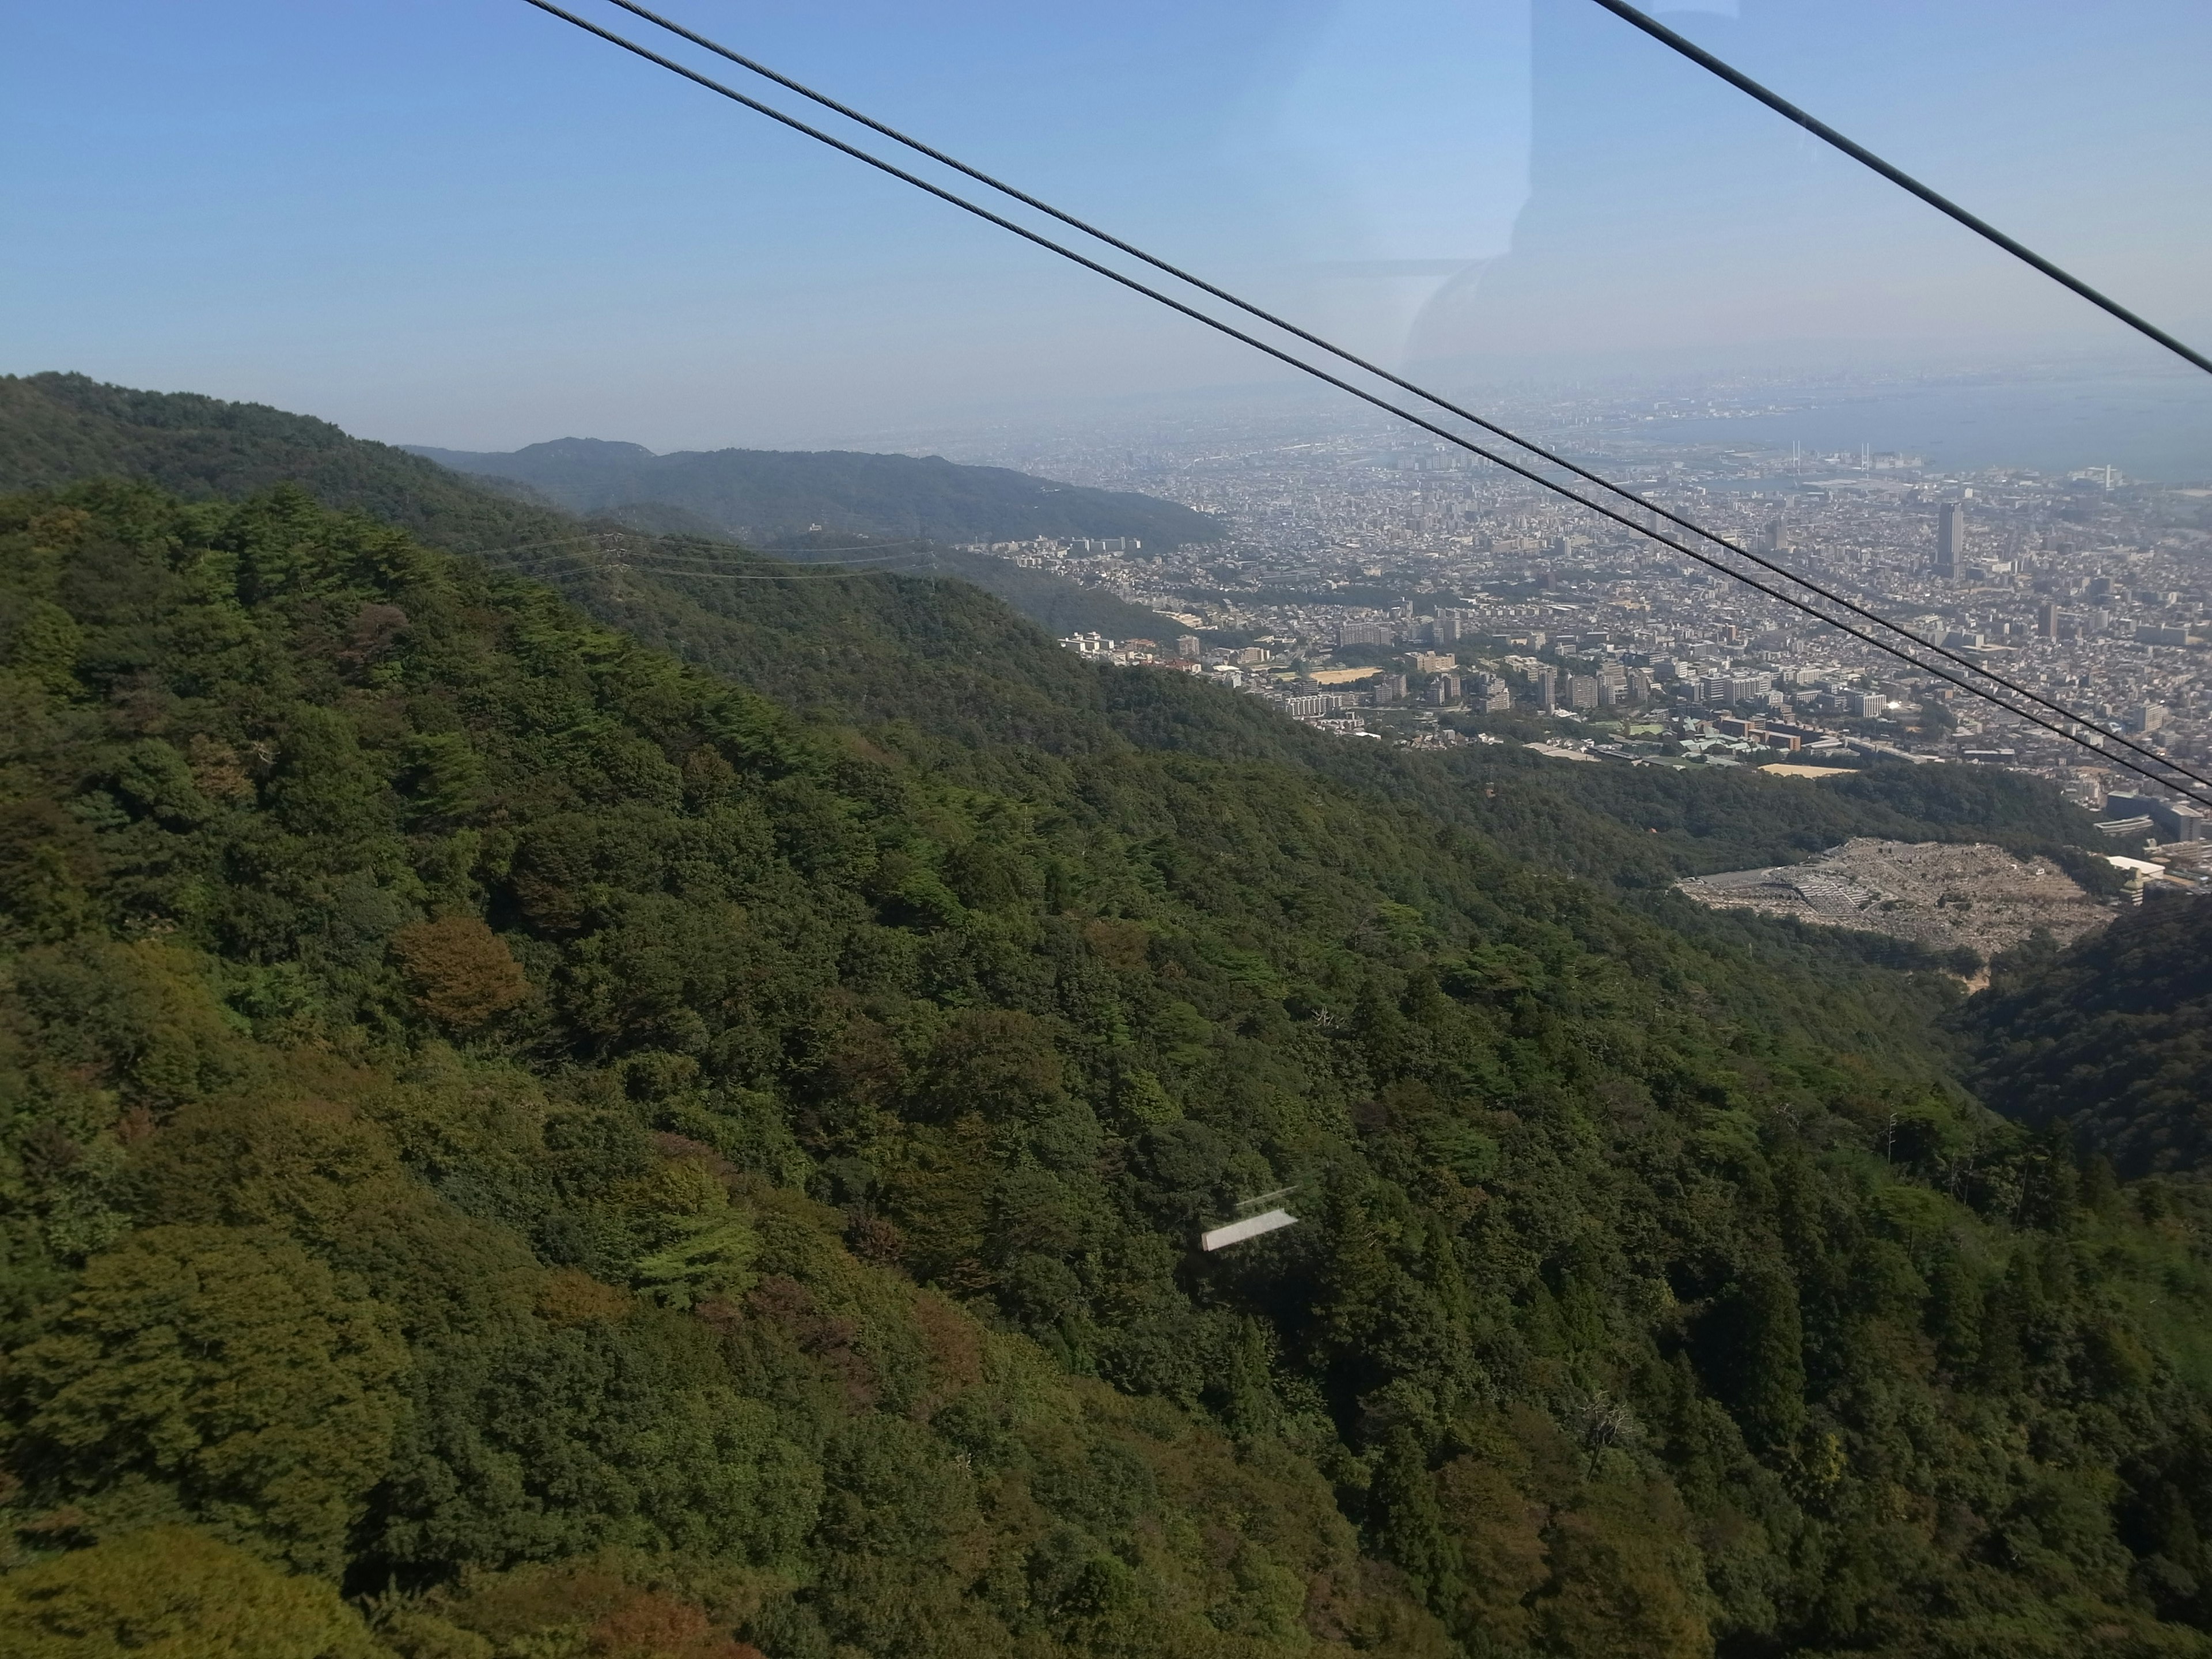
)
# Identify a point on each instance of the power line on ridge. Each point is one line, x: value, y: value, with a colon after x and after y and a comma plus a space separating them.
x: 1376, y: 400
x: 657, y: 561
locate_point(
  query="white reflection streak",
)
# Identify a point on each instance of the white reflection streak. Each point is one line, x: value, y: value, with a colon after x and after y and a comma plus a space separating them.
x: 1408, y: 121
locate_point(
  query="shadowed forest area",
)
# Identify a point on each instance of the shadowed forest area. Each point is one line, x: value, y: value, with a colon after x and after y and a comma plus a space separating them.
x: 2113, y: 1035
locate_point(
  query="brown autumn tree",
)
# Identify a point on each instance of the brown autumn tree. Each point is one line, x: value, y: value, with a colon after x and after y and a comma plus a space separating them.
x: 460, y: 971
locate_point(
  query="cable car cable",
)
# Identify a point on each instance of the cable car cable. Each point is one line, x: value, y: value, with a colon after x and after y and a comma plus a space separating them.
x: 1016, y: 194
x: 1896, y: 175
x: 1413, y: 419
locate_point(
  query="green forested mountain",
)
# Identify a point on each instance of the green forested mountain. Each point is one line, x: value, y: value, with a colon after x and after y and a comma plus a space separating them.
x: 2111, y: 1036
x: 56, y: 428
x: 764, y: 493
x: 515, y: 1144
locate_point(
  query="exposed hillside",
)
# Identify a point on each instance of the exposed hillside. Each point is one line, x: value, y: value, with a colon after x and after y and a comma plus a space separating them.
x: 2111, y: 1037
x: 1943, y: 896
x: 502, y: 1119
x: 765, y: 493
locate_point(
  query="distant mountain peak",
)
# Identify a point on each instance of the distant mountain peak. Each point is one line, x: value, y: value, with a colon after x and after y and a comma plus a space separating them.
x: 590, y: 449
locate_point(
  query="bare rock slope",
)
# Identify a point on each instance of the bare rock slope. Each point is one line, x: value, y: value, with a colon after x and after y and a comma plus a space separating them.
x: 1940, y: 893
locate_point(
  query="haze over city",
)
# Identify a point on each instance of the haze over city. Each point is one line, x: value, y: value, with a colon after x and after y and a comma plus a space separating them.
x: 443, y: 224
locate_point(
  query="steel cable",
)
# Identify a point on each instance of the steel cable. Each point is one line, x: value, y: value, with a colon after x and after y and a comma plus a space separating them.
x: 1456, y: 438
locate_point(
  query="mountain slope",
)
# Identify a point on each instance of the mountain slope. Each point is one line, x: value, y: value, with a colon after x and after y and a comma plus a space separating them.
x: 938, y: 672
x: 2111, y: 1037
x: 502, y: 1120
x: 768, y: 494
x: 55, y: 429
x: 922, y: 653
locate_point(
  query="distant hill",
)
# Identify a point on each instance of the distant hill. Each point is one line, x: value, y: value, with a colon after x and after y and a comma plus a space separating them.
x: 2113, y: 1035
x: 765, y: 493
x: 58, y: 428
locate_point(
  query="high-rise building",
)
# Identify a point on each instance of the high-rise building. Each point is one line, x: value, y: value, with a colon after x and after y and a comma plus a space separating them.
x: 1187, y: 646
x: 2170, y: 820
x: 2046, y: 621
x: 1950, y: 539
x: 1452, y: 626
x: 1582, y: 691
x: 1547, y: 688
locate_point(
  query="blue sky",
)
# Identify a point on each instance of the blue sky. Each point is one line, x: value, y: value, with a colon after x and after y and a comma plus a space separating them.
x: 463, y: 223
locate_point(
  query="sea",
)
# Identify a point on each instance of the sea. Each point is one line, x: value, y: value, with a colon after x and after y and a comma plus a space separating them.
x: 2152, y: 428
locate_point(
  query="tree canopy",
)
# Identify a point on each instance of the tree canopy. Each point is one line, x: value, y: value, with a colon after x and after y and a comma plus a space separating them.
x: 581, y: 1156
x: 2111, y: 1036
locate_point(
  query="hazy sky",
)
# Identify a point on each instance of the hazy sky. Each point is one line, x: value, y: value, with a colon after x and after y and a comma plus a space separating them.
x: 463, y: 222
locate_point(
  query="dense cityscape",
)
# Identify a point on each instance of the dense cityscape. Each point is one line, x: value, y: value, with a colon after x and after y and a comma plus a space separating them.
x: 1394, y: 588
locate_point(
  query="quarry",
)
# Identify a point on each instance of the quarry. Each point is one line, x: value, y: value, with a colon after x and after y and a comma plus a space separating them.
x: 1943, y: 895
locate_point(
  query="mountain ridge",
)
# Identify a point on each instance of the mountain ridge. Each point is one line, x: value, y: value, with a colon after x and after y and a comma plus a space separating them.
x: 2109, y: 1038
x: 773, y: 493
x: 57, y: 428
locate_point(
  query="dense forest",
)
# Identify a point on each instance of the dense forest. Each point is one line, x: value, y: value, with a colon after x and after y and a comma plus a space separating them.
x: 2113, y: 1035
x: 766, y: 494
x: 954, y: 681
x: 517, y: 1143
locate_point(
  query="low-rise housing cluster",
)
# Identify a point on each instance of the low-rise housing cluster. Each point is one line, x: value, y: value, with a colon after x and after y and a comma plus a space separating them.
x: 1373, y: 582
